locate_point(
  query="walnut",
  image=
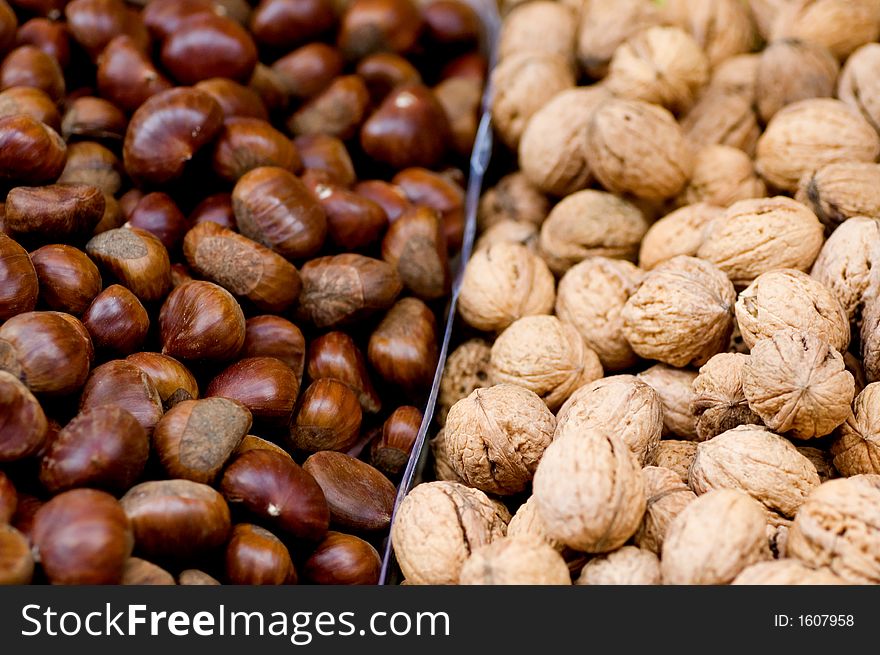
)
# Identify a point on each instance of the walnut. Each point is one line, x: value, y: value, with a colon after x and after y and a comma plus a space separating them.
x: 722, y: 28
x: 786, y: 572
x: 793, y: 70
x: 436, y: 528
x: 638, y: 148
x: 759, y: 235
x: 625, y: 566
x: 666, y: 497
x: 714, y: 538
x: 870, y: 337
x: 719, y: 402
x: 856, y: 447
x: 677, y: 456
x: 523, y: 84
x: 854, y: 366
x: 675, y: 388
x: 466, y: 370
x: 727, y: 119
x: 503, y: 283
x: 722, y: 176
x: 662, y: 65
x: 589, y: 491
x: 513, y: 198
x: 838, y: 192
x: 678, y: 233
x: 764, y: 13
x: 525, y: 234
x: 526, y: 522
x: 754, y: 460
x: 515, y: 561
x: 846, y: 262
x: 735, y: 76
x: 797, y: 383
x: 858, y: 85
x: 839, y: 527
x: 821, y: 460
x: 605, y: 24
x: 681, y: 314
x: 540, y: 27
x: 590, y: 223
x: 495, y: 437
x: 787, y: 298
x: 442, y: 468
x: 810, y: 134
x: 839, y: 25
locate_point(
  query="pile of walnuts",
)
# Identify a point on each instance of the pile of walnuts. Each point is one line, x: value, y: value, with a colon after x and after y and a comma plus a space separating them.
x: 669, y: 359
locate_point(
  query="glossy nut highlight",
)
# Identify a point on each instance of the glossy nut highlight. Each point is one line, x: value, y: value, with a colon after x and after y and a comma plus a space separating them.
x: 201, y: 321
x: 266, y: 386
x: 136, y: 258
x: 117, y: 321
x: 69, y: 280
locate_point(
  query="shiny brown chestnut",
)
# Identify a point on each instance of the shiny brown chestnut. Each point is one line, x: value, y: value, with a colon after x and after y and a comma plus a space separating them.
x: 8, y: 499
x: 163, y: 17
x: 273, y: 336
x: 92, y: 164
x: 383, y: 71
x: 19, y: 285
x: 170, y: 376
x: 267, y: 84
x: 117, y: 321
x: 136, y: 258
x: 235, y: 100
x: 16, y: 560
x: 309, y: 69
x: 216, y: 208
x: 127, y: 76
x: 27, y: 65
x: 129, y: 201
x: 176, y: 519
x: 206, y: 45
x: 93, y: 118
x: 24, y: 423
x: 388, y: 196
x: 30, y: 151
x: 141, y: 572
x: 284, y: 24
x: 180, y: 274
x: 167, y: 131
x: 158, y: 214
x: 250, y: 442
x: 94, y: 23
x: 248, y: 143
x: 451, y: 23
x: 265, y: 385
x: 472, y: 65
x: 194, y: 577
x: 69, y: 280
x: 122, y: 383
x: 322, y: 152
x: 49, y: 8
x: 415, y: 245
x: 403, y: 348
x: 437, y: 191
x: 49, y: 36
x: 338, y: 110
x: 201, y: 321
x: 112, y: 217
x: 33, y: 102
x: 336, y: 355
x: 255, y: 556
x: 390, y: 452
x: 57, y: 212
x: 278, y: 491
x: 196, y: 437
x: 329, y: 417
x: 461, y: 98
x: 82, y: 536
x: 370, y: 26
x: 343, y: 559
x: 353, y: 222
x: 8, y: 25
x: 104, y: 447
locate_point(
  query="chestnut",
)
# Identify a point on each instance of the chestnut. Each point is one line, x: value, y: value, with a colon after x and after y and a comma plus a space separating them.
x: 24, y: 423
x: 158, y: 214
x: 30, y: 101
x: 329, y: 417
x: 248, y: 143
x: 167, y: 131
x: 255, y: 556
x: 388, y: 196
x: 343, y: 559
x: 250, y: 442
x: 69, y: 280
x: 205, y: 45
x: 403, y: 348
x: 196, y: 437
x: 383, y: 71
x: 274, y: 208
x: 82, y: 536
x: 415, y: 245
x: 267, y: 84
x: 308, y: 70
x: 163, y: 17
x: 19, y: 286
x: 176, y: 519
x: 370, y: 26
x: 30, y: 151
x: 472, y: 65
x: 278, y: 491
x: 16, y: 561
x: 141, y: 572
x: 127, y: 76
x: 338, y: 110
x: 360, y: 497
x: 353, y: 222
x: 94, y: 23
x: 116, y: 320
x: 8, y: 498
x: 136, y: 258
x: 390, y: 452
x: 129, y: 201
x: 8, y: 24
x: 326, y: 153
x: 104, y: 447
x: 92, y: 164
x: 335, y: 355
x: 122, y: 383
x: 27, y: 65
x: 180, y: 274
x: 216, y: 208
x: 283, y: 24
x: 461, y: 98
x: 49, y: 8
x: 273, y: 336
x: 93, y: 118
x: 196, y: 577
x: 201, y: 321
x: 451, y: 23
x: 49, y: 36
x: 234, y: 99
x: 266, y: 386
x: 27, y: 508
x: 57, y: 212
x: 170, y: 376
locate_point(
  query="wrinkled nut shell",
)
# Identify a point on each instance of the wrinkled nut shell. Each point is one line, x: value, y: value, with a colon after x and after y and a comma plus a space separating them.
x: 719, y: 402
x: 674, y: 387
x: 666, y: 497
x: 856, y: 448
x: 515, y: 561
x: 837, y: 192
x: 675, y: 455
x: 722, y: 176
x: 605, y: 24
x: 465, y: 371
x: 526, y: 522
x: 786, y: 572
x: 627, y: 566
x: 679, y: 233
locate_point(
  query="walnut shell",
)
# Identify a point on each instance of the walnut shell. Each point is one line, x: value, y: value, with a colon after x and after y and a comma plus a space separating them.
x: 591, y: 296
x: 526, y: 522
x: 735, y: 76
x: 678, y: 233
x: 605, y: 24
x: 638, y: 148
x: 541, y: 27
x: 839, y: 527
x: 856, y: 447
x: 495, y: 437
x: 513, y: 198
x: 841, y: 191
x: 787, y: 298
x: 719, y: 402
x: 764, y: 13
x: 759, y: 235
x: 822, y: 460
x: 515, y: 561
x: 503, y: 283
x: 722, y: 28
x: 727, y: 119
x: 722, y: 176
x: 675, y: 389
x: 714, y: 538
x: 839, y: 25
x: 786, y: 572
x: 858, y: 85
x: 797, y: 383
x: 525, y: 234
x: 666, y: 497
x: 661, y: 65
x: 436, y: 528
x: 870, y: 337
x: 545, y: 356
x: 681, y: 314
x: 625, y: 566
x: 590, y: 223
x: 442, y: 468
x: 810, y: 134
x: 621, y: 404
x: 466, y: 370
x: 754, y: 460
x: 675, y: 455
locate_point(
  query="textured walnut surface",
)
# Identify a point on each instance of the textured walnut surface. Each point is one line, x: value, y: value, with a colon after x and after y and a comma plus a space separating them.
x: 666, y: 496
x: 719, y: 402
x: 605, y: 24
x: 786, y: 572
x: 515, y: 561
x: 675, y: 388
x: 675, y: 455
x: 722, y: 176
x: 678, y: 233
x: 526, y: 522
x: 723, y: 28
x: 839, y: 25
x: 626, y: 566
x: 856, y: 448
x: 542, y: 26
x: 466, y: 370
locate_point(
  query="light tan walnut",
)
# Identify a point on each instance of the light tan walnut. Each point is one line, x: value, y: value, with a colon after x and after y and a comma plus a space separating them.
x: 622, y: 405
x: 786, y: 572
x: 764, y: 13
x: 666, y: 497
x: 719, y: 402
x: 675, y: 455
x: 605, y: 24
x: 727, y: 119
x: 525, y: 234
x: 542, y: 27
x: 662, y: 65
x: 754, y: 460
x: 526, y: 522
x: 809, y: 134
x: 436, y: 528
x: 822, y: 460
x: 759, y: 235
x: 495, y: 437
x: 792, y: 70
x: 638, y: 148
x: 798, y: 384
x: 678, y: 233
x: 723, y: 28
x: 466, y: 370
x: 854, y: 366
x: 515, y: 561
x: 838, y: 192
x: 870, y: 337
x: 591, y: 296
x: 714, y: 538
x: 625, y: 566
x: 858, y: 85
x: 589, y: 491
x: 442, y: 468
x: 839, y: 528
x: 722, y: 176
x: 856, y: 447
x: 682, y: 313
x: 590, y: 223
x: 675, y: 387
x: 735, y: 76
x: 839, y: 25
x: 503, y: 283
x: 788, y: 298
x: 513, y: 198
